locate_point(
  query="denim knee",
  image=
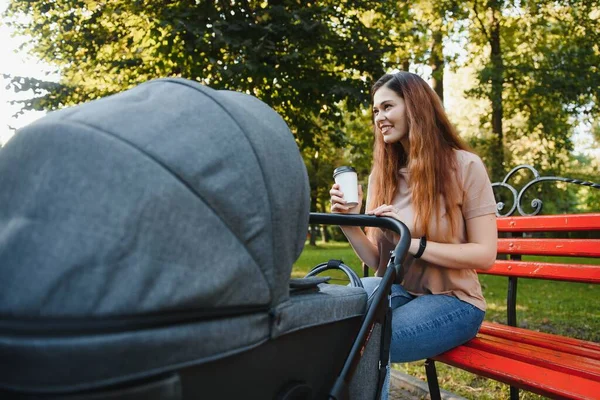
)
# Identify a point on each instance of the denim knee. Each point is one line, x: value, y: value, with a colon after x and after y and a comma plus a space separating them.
x: 430, y: 325
x: 400, y: 296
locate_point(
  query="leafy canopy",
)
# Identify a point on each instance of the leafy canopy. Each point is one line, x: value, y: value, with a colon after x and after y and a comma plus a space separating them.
x: 302, y: 58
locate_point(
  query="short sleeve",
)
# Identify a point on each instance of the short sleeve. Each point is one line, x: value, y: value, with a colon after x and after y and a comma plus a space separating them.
x: 478, y: 196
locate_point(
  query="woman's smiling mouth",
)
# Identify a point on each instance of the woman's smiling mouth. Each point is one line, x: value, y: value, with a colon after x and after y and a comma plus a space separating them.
x: 385, y: 128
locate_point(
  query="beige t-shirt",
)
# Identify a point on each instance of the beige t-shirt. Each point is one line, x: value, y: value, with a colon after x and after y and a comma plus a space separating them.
x: 422, y: 277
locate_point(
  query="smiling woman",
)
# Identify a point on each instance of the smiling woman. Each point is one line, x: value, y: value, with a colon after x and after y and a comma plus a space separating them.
x: 425, y: 176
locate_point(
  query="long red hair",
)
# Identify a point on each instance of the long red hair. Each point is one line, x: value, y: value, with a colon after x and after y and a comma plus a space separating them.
x: 431, y: 160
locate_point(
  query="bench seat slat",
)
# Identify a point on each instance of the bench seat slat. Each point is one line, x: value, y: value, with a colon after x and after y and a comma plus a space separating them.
x: 545, y: 270
x: 550, y: 223
x: 517, y: 373
x: 539, y: 356
x: 542, y: 339
x: 550, y: 247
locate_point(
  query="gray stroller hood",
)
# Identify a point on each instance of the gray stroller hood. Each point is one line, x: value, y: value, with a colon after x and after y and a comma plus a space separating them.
x: 170, y: 196
x: 146, y: 246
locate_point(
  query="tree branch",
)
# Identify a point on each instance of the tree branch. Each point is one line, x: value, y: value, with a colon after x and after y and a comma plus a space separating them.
x: 482, y: 25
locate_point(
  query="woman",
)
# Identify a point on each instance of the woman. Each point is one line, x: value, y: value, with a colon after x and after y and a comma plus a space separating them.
x: 424, y: 175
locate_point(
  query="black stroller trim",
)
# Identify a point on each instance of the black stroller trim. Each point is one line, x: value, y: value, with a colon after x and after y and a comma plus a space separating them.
x: 82, y: 326
x: 377, y: 308
x: 339, y: 265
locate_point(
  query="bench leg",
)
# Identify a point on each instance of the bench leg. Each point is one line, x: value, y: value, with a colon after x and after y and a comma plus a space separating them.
x: 511, y: 309
x: 432, y: 381
x: 514, y: 393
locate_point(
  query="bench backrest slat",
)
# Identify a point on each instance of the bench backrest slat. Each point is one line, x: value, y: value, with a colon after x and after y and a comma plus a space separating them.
x: 546, y: 270
x: 550, y: 223
x: 574, y: 270
x: 550, y: 247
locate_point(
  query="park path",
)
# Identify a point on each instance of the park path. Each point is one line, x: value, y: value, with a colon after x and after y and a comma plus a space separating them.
x: 407, y: 387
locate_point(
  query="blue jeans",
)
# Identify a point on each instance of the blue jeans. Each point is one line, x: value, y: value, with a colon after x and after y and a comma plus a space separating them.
x: 425, y: 326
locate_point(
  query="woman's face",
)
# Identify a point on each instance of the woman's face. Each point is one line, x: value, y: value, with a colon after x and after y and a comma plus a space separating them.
x: 389, y: 113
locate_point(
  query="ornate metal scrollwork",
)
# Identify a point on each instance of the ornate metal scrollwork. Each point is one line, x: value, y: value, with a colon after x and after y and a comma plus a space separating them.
x: 518, y: 196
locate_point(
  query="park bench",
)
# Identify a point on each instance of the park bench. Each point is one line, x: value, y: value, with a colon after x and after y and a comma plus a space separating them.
x: 547, y: 364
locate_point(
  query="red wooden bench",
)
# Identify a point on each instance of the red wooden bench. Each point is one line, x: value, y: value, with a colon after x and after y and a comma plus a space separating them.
x: 547, y: 364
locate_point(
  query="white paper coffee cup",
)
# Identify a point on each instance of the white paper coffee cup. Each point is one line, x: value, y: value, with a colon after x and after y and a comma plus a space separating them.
x: 347, y: 178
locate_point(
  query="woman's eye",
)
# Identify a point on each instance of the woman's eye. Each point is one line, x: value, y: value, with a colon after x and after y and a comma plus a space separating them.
x: 387, y: 107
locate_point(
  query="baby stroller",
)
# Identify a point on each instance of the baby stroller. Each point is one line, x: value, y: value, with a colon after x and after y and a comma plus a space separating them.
x: 146, y: 246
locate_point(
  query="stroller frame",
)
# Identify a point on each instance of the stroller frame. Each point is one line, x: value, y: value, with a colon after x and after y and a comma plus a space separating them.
x: 379, y: 306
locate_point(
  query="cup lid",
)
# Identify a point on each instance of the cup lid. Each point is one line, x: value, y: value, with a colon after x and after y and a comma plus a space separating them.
x: 341, y: 170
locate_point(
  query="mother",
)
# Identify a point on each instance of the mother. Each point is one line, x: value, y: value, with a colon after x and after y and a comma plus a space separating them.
x: 424, y: 175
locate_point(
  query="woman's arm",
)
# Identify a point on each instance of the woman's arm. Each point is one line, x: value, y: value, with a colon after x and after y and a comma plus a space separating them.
x: 478, y: 253
x: 363, y: 247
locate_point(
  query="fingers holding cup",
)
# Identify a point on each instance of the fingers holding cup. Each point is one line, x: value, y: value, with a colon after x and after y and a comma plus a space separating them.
x: 338, y: 204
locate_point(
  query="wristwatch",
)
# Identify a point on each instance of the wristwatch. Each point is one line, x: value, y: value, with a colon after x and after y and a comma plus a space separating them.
x: 422, y: 245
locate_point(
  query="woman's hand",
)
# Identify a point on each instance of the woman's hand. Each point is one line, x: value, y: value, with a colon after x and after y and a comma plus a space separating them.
x: 366, y: 251
x: 385, y: 210
x: 338, y: 204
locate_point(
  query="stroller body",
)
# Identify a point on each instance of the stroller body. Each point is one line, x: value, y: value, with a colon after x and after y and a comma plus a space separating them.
x: 146, y: 245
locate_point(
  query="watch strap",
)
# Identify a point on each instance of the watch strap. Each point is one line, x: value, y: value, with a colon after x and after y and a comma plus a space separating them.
x: 422, y: 245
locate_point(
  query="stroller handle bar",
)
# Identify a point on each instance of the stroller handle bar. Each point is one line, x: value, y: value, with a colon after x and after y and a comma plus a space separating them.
x: 392, y: 224
x: 377, y: 309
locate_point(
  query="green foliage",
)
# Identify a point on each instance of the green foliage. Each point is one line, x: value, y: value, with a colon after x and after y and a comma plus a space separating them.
x: 414, y: 25
x: 358, y: 147
x: 549, y: 75
x: 313, y: 62
x: 301, y: 58
x: 586, y: 168
x: 535, y: 62
x: 596, y: 131
x: 347, y: 142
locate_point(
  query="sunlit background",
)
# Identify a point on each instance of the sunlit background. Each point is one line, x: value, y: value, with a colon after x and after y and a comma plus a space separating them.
x: 14, y: 60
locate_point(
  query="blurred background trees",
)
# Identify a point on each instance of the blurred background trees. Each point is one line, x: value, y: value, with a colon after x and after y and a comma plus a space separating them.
x: 519, y: 78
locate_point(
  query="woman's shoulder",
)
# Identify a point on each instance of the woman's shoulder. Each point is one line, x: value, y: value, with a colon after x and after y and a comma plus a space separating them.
x: 464, y: 157
x: 470, y: 167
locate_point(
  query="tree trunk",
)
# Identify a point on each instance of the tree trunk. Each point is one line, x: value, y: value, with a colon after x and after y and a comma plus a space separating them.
x: 497, y: 81
x: 314, y: 195
x: 314, y: 229
x: 436, y: 62
x: 325, y: 233
x: 405, y: 65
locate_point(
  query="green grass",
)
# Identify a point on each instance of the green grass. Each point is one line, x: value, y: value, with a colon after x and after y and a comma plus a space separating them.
x: 564, y: 308
x: 323, y: 252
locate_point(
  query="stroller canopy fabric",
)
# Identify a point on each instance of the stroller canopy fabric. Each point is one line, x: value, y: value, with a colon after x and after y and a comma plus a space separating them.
x: 169, y: 196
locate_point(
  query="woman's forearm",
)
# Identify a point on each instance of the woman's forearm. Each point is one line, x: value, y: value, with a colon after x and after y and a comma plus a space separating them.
x: 363, y: 247
x: 459, y: 256
x: 478, y: 253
